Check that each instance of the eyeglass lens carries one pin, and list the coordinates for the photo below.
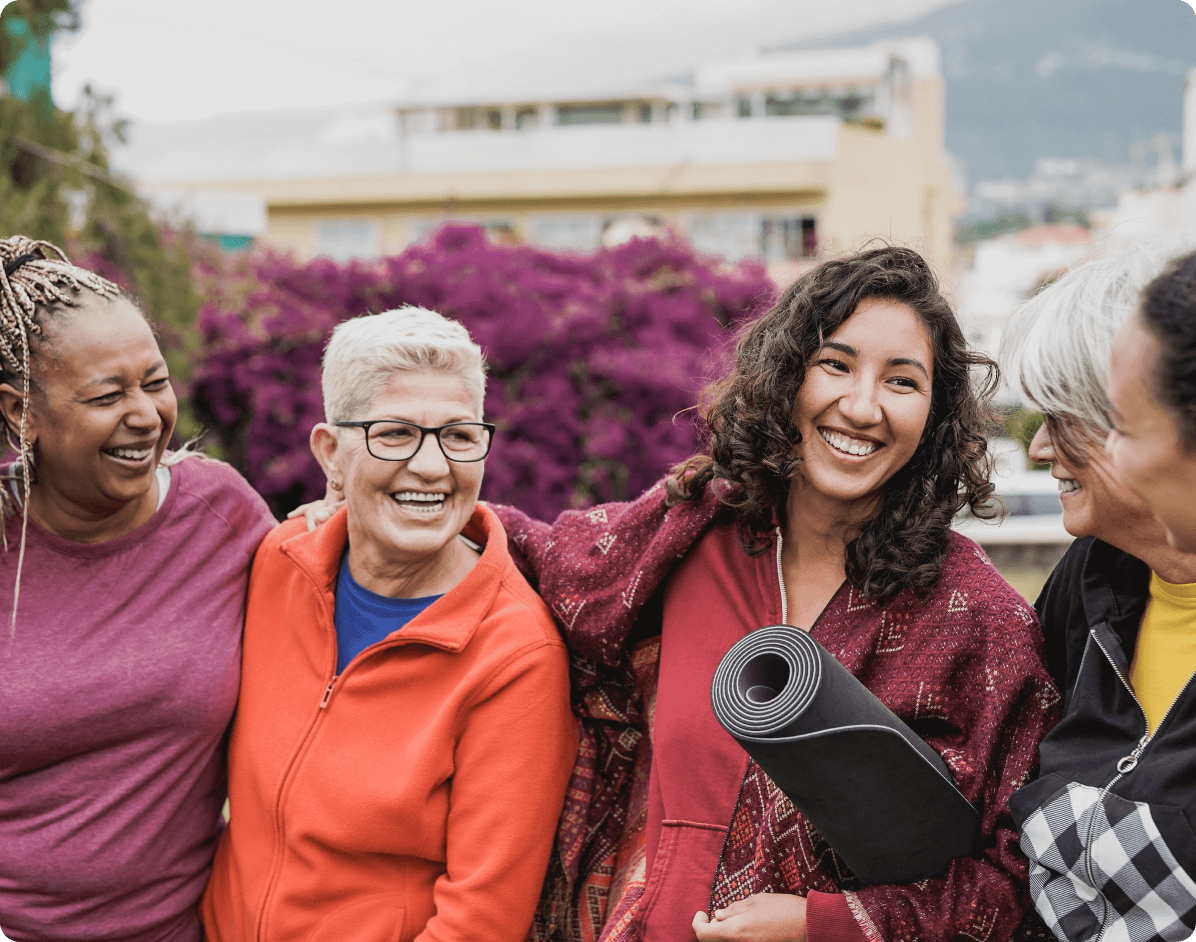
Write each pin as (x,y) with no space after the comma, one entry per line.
(398,441)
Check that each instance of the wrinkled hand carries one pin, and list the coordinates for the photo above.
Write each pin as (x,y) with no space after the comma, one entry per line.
(765,917)
(318,511)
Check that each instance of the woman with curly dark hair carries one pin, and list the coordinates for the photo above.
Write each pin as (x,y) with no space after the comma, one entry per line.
(842,444)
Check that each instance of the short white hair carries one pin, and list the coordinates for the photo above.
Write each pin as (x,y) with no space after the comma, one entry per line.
(364,352)
(1056,346)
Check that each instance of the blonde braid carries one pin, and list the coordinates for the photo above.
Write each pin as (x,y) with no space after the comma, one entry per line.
(30,277)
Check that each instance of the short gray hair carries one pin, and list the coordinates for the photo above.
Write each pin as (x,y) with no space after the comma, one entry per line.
(364,352)
(1056,346)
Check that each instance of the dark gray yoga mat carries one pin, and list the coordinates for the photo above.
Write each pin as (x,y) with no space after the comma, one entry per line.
(882,798)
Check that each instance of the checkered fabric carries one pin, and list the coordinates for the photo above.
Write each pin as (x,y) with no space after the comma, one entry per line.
(1099,868)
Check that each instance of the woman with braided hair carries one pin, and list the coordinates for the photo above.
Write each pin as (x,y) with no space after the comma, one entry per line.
(124,568)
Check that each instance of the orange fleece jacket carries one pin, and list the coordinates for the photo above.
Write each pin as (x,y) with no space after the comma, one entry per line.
(416,795)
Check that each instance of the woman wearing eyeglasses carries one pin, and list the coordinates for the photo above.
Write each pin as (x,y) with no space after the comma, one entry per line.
(403,737)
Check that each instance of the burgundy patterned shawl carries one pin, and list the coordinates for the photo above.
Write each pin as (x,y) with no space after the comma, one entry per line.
(962,666)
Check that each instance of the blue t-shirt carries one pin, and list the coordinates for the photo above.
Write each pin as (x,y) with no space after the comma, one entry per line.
(364,617)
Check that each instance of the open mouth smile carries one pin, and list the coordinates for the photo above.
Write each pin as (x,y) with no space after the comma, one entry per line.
(132,455)
(857,447)
(1067,485)
(420,501)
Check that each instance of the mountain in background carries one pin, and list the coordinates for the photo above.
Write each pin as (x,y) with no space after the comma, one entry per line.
(1053,78)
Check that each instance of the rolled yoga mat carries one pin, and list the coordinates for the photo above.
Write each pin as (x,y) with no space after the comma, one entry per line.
(882,798)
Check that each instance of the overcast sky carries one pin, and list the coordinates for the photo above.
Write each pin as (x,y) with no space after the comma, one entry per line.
(171,60)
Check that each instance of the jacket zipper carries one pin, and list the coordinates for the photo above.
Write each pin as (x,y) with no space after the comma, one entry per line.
(276,869)
(278,830)
(781,579)
(1125,765)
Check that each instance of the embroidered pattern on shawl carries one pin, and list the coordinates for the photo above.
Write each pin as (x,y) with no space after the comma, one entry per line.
(972,663)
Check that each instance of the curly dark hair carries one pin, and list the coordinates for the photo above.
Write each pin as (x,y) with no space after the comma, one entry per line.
(1168,311)
(753,437)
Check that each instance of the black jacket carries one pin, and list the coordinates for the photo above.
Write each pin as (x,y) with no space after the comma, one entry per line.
(1109,823)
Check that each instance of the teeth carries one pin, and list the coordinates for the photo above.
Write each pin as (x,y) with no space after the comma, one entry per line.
(130,453)
(849,446)
(1068,484)
(410,500)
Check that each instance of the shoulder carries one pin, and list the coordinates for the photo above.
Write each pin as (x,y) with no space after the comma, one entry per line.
(214,488)
(279,534)
(520,613)
(970,589)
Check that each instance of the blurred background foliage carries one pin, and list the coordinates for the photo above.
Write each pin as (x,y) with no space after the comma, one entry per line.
(595,361)
(55,184)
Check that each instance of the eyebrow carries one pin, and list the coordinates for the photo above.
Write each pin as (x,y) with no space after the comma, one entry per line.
(895,361)
(117,379)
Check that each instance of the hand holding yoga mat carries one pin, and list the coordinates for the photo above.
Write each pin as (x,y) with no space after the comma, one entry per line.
(882,798)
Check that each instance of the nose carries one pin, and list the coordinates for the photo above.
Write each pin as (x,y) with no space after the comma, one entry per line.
(143,411)
(429,461)
(1042,449)
(861,404)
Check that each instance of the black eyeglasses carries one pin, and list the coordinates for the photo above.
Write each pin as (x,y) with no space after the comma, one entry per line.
(398,441)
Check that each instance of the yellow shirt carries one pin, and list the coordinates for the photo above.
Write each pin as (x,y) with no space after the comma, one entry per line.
(1165,656)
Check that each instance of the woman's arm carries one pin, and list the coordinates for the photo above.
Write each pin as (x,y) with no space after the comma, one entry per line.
(511,765)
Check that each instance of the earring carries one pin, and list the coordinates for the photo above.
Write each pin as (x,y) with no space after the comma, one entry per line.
(335,484)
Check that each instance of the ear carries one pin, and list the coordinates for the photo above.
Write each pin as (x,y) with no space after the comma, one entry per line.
(11,399)
(325,445)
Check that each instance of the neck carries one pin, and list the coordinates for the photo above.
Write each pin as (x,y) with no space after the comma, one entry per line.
(823,525)
(1143,536)
(59,514)
(374,569)
(1169,563)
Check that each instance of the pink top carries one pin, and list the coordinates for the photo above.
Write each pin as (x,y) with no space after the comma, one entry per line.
(117,689)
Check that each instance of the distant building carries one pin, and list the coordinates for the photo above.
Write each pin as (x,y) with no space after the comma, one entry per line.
(778,156)
(1169,207)
(1006,271)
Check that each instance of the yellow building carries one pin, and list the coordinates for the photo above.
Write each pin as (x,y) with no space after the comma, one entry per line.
(780,156)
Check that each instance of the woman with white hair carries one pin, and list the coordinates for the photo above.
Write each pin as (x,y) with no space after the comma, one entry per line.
(1106,823)
(403,737)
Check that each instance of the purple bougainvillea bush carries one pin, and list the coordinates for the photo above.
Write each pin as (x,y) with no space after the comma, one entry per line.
(595,360)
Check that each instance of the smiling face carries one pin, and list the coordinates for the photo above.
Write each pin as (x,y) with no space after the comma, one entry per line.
(1148,453)
(102,411)
(1095,502)
(406,512)
(863,406)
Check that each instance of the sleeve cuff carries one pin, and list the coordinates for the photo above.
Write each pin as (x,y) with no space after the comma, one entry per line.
(829,919)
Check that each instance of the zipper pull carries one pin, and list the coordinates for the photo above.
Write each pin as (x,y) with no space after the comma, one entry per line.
(328,692)
(1130,762)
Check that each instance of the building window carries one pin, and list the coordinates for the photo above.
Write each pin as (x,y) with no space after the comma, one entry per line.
(527,117)
(348,238)
(579,233)
(601,112)
(734,236)
(783,238)
(850,104)
(645,113)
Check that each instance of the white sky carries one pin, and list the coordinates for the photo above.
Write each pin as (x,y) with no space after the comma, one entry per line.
(176,60)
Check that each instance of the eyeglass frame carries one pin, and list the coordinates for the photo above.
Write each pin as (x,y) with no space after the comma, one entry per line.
(364,425)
